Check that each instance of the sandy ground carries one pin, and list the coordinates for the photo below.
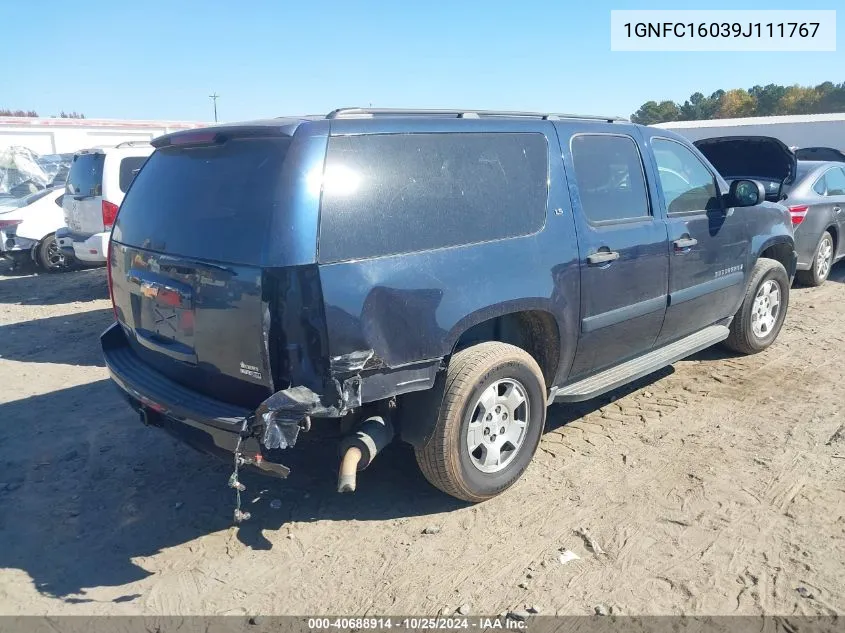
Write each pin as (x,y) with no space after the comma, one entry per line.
(714,487)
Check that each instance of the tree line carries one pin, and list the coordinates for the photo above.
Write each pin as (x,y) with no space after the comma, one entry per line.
(33,113)
(757,101)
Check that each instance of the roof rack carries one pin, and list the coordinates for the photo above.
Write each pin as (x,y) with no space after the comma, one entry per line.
(351,113)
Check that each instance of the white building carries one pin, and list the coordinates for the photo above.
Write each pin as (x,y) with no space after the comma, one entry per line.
(59,136)
(802,130)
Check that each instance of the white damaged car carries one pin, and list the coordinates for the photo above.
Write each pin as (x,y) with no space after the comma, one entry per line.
(28,227)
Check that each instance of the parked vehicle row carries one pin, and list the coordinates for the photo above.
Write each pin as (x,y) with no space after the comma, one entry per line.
(439,277)
(59,209)
(816,201)
(28,225)
(810,181)
(31,188)
(96,184)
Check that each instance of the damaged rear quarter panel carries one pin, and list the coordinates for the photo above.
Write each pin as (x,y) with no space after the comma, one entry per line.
(405,313)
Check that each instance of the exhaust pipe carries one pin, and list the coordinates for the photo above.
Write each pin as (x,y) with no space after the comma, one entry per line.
(348,476)
(360,449)
(149,417)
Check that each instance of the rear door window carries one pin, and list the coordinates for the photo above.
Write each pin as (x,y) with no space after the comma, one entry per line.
(834,181)
(86,175)
(211,202)
(609,173)
(386,194)
(129,168)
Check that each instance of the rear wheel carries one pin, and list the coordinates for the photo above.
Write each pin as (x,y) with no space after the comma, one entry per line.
(489,424)
(822,261)
(50,256)
(760,317)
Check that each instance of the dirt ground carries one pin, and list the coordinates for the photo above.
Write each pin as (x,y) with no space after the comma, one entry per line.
(713,487)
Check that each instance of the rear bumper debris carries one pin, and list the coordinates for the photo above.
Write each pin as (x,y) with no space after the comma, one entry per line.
(211,426)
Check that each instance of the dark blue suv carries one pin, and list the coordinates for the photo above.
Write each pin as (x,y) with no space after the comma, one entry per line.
(436,276)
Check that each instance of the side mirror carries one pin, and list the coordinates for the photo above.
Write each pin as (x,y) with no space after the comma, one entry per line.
(746,193)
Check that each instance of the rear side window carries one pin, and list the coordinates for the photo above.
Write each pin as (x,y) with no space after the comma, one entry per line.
(86,175)
(609,173)
(129,168)
(385,194)
(687,185)
(213,202)
(834,182)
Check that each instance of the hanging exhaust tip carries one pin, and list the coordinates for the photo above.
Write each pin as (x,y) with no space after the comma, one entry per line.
(360,449)
(348,475)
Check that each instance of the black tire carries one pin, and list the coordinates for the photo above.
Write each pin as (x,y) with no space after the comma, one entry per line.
(47,257)
(812,277)
(742,338)
(445,459)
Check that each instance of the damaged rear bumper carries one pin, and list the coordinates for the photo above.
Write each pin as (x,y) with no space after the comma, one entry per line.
(209,425)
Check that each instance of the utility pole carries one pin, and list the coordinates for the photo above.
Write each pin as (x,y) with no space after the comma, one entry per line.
(214,98)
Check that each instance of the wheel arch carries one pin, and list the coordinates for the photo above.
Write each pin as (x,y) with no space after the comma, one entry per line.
(540,331)
(833,229)
(780,249)
(533,329)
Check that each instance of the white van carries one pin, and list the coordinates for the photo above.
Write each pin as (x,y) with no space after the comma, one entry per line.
(96,184)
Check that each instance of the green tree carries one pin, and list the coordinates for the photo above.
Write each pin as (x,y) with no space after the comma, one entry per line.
(798,100)
(693,108)
(712,104)
(652,112)
(735,104)
(767,98)
(831,97)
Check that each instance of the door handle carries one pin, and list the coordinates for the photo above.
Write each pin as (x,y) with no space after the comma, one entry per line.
(602,257)
(684,243)
(837,209)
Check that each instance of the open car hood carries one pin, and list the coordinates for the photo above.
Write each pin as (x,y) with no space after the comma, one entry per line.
(756,157)
(820,153)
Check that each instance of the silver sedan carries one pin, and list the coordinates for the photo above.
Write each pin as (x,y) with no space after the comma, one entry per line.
(816,202)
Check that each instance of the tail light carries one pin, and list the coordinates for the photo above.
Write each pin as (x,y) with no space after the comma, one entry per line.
(798,213)
(111,284)
(109,214)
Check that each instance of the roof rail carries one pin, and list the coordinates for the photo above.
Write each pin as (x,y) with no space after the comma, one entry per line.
(342,113)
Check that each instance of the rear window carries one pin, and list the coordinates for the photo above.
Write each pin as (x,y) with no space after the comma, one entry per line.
(386,194)
(803,170)
(86,175)
(129,168)
(212,202)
